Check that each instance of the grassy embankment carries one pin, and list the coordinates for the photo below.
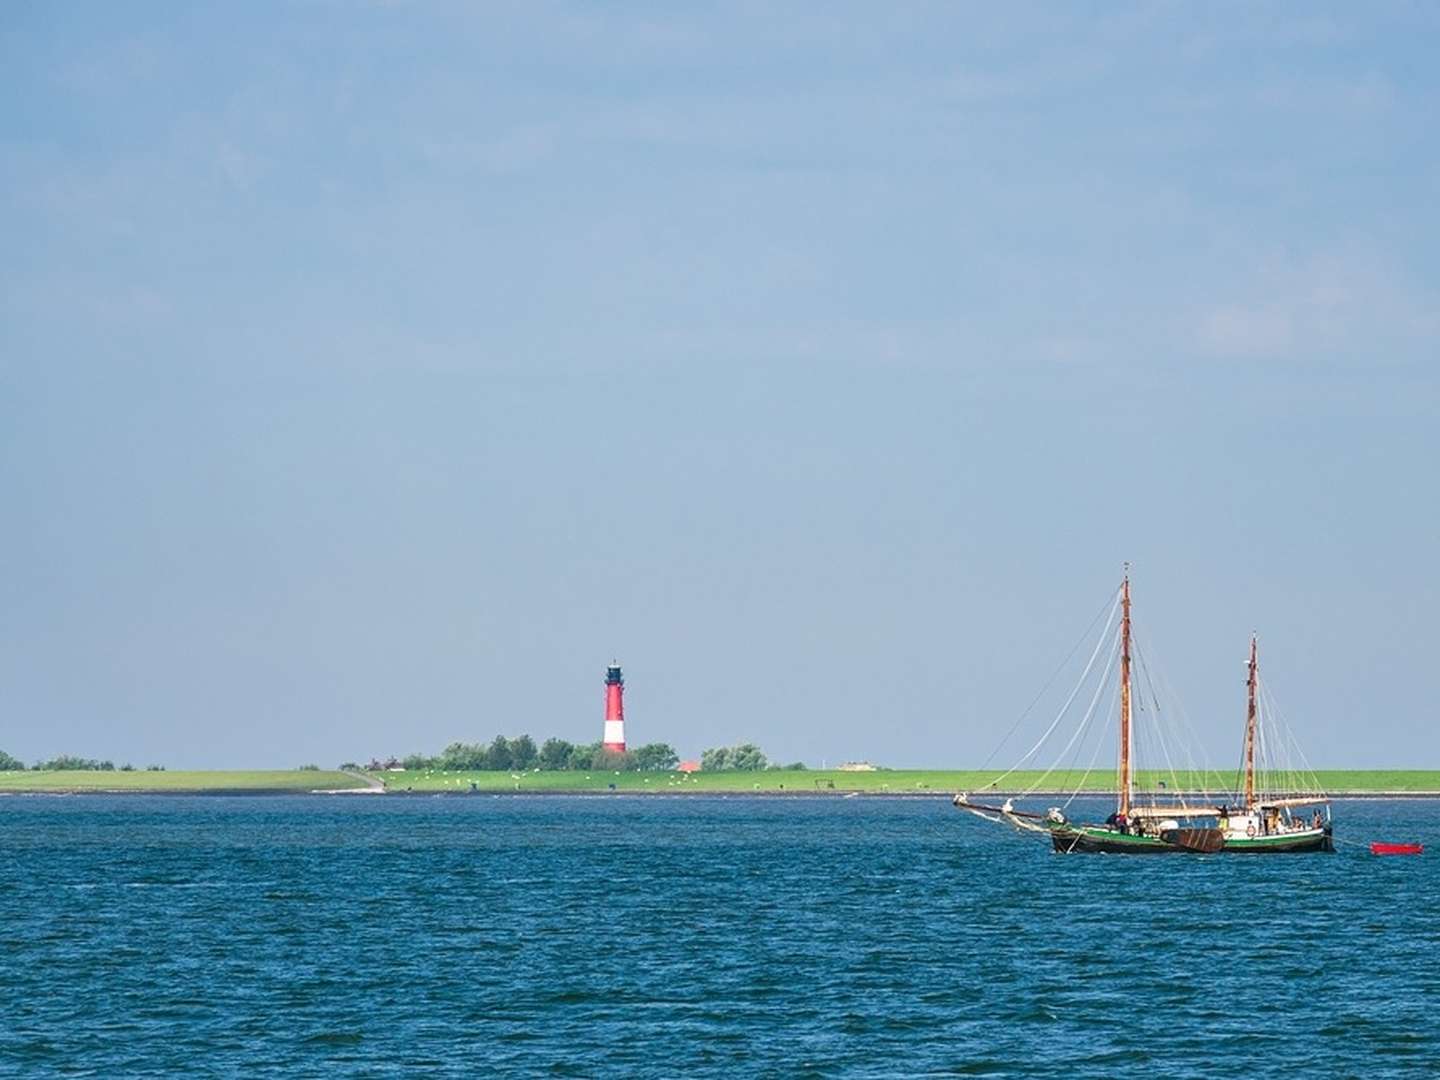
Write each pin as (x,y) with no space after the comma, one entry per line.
(883,782)
(887,781)
(179,782)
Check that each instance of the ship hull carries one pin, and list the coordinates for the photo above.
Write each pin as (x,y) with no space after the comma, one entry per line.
(1092,840)
(1311,840)
(1089,840)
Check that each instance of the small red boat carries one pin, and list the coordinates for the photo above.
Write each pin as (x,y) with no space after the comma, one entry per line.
(1378,848)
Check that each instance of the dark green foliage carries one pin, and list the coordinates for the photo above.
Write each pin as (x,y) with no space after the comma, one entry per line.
(348,766)
(610,761)
(70,762)
(654,757)
(555,754)
(309,768)
(499,757)
(154,768)
(523,753)
(747,757)
(582,758)
(458,756)
(10,764)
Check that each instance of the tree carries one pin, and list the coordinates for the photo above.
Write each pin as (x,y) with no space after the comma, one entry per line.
(523,752)
(747,757)
(71,762)
(415,762)
(458,756)
(555,754)
(499,757)
(582,758)
(654,757)
(10,764)
(611,760)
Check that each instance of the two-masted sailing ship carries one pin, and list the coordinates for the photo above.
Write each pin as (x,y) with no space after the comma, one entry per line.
(1277,808)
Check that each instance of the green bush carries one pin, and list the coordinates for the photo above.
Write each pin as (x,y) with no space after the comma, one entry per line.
(523,753)
(582,758)
(555,754)
(69,762)
(747,757)
(654,757)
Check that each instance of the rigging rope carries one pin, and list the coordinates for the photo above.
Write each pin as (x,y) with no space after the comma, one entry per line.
(1084,637)
(1190,742)
(1306,772)
(1104,730)
(1085,720)
(1144,666)
(1089,664)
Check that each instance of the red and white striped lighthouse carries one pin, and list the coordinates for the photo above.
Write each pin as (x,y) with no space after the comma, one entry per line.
(614,709)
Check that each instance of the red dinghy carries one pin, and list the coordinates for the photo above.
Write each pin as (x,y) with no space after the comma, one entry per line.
(1378,848)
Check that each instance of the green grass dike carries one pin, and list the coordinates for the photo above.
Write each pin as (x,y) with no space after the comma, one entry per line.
(879,782)
(770,782)
(179,782)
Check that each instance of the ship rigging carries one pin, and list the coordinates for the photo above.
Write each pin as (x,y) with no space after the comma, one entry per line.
(1276,804)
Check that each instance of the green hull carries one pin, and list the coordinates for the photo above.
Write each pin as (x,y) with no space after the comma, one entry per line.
(1099,840)
(1312,840)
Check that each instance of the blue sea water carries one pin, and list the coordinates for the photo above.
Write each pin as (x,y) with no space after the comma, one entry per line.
(651,936)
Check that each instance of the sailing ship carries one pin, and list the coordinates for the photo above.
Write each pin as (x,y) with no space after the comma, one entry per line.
(1288,815)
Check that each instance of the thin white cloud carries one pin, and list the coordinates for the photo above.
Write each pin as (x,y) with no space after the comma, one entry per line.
(1320,306)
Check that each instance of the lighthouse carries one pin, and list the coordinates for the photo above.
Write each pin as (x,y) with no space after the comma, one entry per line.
(614,709)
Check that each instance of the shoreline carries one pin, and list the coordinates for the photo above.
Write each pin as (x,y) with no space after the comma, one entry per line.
(1030,788)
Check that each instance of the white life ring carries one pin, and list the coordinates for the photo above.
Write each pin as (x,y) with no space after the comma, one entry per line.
(1250,831)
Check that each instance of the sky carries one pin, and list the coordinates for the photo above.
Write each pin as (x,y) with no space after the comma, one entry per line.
(371,375)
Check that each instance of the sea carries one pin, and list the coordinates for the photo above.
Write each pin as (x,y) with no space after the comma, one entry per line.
(641,936)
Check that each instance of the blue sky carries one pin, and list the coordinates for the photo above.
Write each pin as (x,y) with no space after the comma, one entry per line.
(370,375)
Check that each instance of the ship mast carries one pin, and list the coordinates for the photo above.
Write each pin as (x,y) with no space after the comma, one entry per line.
(1125,737)
(1250,728)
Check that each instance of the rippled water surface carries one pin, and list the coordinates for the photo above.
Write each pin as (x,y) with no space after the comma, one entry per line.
(654,936)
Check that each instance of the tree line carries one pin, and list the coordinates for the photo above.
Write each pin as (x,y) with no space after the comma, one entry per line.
(70,762)
(500,755)
(521,754)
